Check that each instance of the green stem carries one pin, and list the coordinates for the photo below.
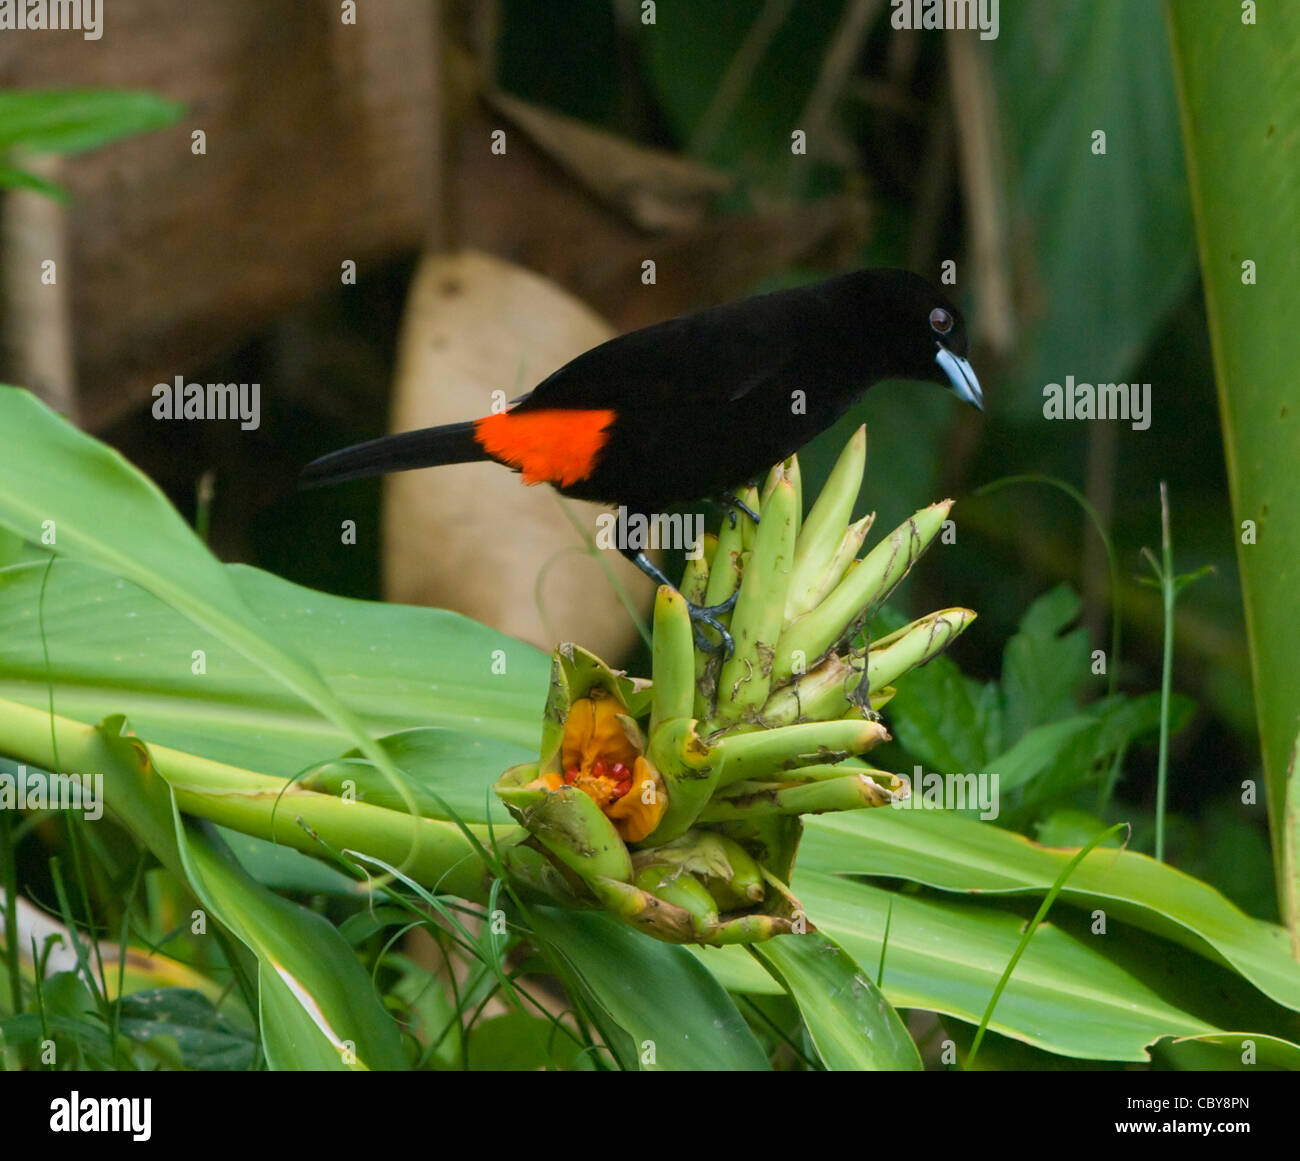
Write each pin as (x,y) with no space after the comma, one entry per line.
(431,851)
(9,866)
(1167,667)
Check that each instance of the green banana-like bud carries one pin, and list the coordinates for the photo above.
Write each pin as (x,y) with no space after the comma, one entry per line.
(841,561)
(913,645)
(712,857)
(695,578)
(724,569)
(759,614)
(748,529)
(690,771)
(787,470)
(860,592)
(823,532)
(848,792)
(568,823)
(820,695)
(673,660)
(679,887)
(655,916)
(759,752)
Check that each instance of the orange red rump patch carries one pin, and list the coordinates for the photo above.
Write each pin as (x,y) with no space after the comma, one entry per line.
(549,446)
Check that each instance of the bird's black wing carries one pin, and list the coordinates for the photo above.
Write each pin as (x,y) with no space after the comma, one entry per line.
(715,357)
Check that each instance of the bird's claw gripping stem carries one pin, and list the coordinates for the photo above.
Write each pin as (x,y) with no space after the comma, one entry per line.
(708,615)
(700,614)
(735,504)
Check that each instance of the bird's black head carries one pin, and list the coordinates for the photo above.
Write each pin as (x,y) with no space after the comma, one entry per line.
(909,330)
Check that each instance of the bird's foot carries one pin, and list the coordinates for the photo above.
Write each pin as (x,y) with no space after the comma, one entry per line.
(735,504)
(707,615)
(860,694)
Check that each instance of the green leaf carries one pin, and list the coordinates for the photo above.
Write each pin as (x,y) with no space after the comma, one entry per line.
(851,1023)
(517,1042)
(319,1008)
(74,120)
(451,774)
(736,970)
(62,488)
(204,1037)
(1066,70)
(1241,115)
(13,178)
(1041,670)
(957,854)
(1072,993)
(1228,1052)
(1036,752)
(946,720)
(677,1016)
(282,868)
(115,648)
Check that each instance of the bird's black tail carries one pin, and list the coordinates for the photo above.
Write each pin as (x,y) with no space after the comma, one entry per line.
(451,444)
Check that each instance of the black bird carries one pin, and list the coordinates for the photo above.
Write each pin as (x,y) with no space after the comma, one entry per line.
(697,406)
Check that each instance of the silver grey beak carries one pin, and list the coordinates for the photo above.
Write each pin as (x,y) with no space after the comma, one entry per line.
(961,376)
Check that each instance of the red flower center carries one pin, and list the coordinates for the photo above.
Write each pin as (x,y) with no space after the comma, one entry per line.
(612,779)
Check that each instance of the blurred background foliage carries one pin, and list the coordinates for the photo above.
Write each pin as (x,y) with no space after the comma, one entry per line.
(921,148)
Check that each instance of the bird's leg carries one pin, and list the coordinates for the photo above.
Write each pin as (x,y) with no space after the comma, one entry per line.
(860,694)
(700,614)
(736,504)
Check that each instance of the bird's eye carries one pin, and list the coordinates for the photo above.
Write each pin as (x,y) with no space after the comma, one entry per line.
(940,321)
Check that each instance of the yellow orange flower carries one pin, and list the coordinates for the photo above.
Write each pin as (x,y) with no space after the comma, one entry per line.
(598,756)
(636,814)
(593,732)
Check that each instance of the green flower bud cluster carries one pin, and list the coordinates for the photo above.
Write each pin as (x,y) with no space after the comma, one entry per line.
(728,754)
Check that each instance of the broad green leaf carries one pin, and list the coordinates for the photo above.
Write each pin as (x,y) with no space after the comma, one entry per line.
(850,1022)
(1228,1052)
(675,1013)
(451,774)
(1072,993)
(115,648)
(204,1038)
(1241,116)
(319,1008)
(61,488)
(957,854)
(1107,237)
(518,1042)
(736,970)
(1036,752)
(73,120)
(282,868)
